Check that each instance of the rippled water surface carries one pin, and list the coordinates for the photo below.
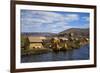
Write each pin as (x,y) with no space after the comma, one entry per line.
(76,54)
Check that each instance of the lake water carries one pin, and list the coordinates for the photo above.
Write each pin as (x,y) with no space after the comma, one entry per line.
(76,54)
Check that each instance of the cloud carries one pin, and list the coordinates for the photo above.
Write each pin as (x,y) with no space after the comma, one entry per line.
(41,16)
(46,17)
(41,21)
(72,17)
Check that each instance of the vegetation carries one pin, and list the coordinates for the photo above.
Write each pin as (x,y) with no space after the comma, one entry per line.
(34,51)
(24,42)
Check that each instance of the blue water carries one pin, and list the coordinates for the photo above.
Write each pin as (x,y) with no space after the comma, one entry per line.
(76,54)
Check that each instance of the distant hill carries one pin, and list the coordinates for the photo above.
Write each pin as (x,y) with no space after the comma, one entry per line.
(46,34)
(84,32)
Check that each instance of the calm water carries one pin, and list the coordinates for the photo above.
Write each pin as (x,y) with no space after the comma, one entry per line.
(76,54)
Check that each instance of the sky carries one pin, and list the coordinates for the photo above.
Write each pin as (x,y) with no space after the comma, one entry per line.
(52,21)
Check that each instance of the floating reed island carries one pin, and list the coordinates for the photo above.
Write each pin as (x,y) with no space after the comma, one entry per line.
(40,44)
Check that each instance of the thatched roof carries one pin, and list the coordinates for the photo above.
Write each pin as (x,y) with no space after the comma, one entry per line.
(35,39)
(63,38)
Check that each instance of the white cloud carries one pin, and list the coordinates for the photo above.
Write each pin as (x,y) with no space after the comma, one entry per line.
(32,17)
(72,17)
(46,21)
(43,17)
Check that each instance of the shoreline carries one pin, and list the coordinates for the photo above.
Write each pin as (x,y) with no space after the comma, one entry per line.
(42,51)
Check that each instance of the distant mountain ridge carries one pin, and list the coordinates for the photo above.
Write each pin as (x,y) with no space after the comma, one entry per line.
(76,31)
(84,32)
(38,34)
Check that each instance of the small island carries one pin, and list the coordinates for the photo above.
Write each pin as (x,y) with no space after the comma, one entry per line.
(37,43)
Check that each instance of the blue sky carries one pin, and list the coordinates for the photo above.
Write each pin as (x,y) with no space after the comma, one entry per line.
(52,21)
